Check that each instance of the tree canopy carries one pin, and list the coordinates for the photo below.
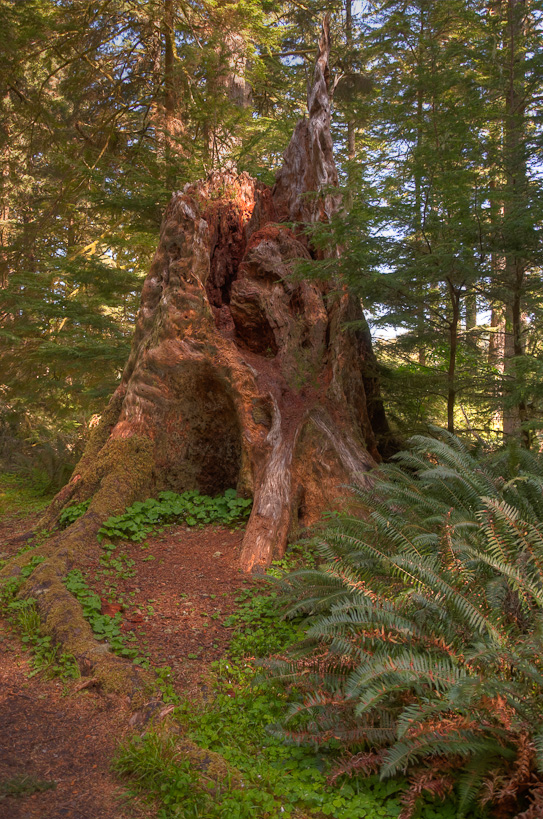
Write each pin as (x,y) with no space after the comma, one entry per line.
(108,106)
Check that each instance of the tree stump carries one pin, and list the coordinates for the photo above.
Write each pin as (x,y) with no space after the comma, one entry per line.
(240,375)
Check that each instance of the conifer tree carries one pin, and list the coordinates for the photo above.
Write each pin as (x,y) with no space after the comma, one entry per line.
(429,226)
(105,107)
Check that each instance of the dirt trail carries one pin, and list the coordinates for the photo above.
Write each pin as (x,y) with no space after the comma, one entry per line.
(175,597)
(52,734)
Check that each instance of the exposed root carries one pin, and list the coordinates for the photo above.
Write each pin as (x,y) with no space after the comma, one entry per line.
(62,619)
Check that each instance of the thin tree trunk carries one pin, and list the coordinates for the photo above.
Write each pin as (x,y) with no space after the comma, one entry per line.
(471,320)
(514,201)
(230,83)
(4,205)
(172,123)
(453,348)
(169,58)
(421,317)
(511,420)
(496,340)
(351,132)
(421,326)
(4,240)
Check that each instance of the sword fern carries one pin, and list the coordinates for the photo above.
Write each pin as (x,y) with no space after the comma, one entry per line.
(424,646)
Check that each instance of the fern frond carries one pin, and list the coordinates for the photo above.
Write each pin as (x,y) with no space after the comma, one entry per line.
(424,631)
(461,743)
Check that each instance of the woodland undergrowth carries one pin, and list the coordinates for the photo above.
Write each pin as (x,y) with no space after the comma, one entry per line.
(423,631)
(135,524)
(405,673)
(248,771)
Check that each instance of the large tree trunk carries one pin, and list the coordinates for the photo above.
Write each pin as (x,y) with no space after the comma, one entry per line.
(239,375)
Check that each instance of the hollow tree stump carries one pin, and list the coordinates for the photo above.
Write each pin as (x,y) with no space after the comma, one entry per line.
(240,375)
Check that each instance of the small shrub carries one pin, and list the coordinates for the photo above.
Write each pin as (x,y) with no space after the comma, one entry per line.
(164,684)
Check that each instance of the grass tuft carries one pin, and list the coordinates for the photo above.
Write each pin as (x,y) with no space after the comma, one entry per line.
(24,785)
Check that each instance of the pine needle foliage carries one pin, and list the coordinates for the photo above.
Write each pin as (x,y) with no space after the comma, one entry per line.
(424,645)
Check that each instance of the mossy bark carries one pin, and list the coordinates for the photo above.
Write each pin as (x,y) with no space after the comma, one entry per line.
(240,375)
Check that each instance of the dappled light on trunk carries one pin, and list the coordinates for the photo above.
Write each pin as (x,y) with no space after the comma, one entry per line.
(241,375)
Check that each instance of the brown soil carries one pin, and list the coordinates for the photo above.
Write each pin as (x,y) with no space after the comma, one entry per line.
(50,732)
(185,585)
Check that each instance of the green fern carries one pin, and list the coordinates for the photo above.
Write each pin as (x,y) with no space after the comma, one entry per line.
(425,625)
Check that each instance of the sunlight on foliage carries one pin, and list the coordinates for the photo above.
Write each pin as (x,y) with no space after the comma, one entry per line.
(190,508)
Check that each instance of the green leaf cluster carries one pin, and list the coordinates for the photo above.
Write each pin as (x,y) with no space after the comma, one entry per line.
(190,508)
(259,628)
(235,725)
(104,627)
(248,771)
(71,513)
(264,777)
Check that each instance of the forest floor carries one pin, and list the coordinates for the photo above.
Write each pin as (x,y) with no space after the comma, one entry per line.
(57,738)
(200,745)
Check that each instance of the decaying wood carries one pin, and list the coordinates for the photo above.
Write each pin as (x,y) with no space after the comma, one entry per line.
(240,375)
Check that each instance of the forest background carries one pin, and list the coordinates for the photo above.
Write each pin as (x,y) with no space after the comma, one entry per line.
(107,107)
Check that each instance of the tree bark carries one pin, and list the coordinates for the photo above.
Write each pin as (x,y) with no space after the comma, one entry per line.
(471,320)
(351,133)
(453,348)
(515,190)
(4,205)
(228,83)
(167,114)
(240,375)
(496,339)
